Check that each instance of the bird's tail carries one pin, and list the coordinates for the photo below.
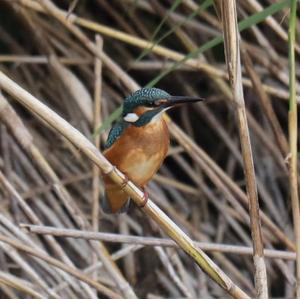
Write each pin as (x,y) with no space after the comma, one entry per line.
(115,200)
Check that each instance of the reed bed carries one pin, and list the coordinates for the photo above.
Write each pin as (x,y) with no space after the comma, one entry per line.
(227,194)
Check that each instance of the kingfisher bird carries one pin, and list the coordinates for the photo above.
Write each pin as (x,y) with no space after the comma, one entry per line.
(138,144)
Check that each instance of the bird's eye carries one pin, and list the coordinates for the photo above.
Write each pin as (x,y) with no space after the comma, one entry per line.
(149,104)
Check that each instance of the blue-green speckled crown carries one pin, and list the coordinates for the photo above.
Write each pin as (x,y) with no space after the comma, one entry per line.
(143,97)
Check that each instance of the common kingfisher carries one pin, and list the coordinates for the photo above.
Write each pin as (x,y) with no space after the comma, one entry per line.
(138,143)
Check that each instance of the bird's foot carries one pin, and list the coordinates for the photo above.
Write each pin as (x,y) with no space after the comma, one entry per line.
(125,178)
(145,199)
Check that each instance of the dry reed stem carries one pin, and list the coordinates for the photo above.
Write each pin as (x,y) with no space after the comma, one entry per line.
(137,195)
(97,123)
(150,241)
(293,138)
(40,59)
(232,54)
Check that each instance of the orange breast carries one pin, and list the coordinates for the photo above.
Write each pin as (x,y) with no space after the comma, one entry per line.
(138,153)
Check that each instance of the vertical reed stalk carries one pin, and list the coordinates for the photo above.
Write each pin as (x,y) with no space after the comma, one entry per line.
(227,10)
(97,122)
(293,135)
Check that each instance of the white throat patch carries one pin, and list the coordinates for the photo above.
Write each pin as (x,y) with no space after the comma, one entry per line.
(131,117)
(159,115)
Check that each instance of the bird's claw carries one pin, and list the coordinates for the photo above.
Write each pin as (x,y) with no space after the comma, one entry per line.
(125,181)
(125,178)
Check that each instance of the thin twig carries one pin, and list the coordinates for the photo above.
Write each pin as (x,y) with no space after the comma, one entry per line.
(150,241)
(42,59)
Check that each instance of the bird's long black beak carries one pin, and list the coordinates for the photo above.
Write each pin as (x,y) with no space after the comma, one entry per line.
(176,100)
(173,101)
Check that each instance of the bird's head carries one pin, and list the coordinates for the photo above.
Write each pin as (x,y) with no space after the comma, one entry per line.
(148,104)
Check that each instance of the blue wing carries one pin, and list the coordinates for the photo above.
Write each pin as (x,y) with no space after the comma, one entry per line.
(114,133)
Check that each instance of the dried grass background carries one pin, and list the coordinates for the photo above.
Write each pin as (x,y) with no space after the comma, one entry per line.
(84,76)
